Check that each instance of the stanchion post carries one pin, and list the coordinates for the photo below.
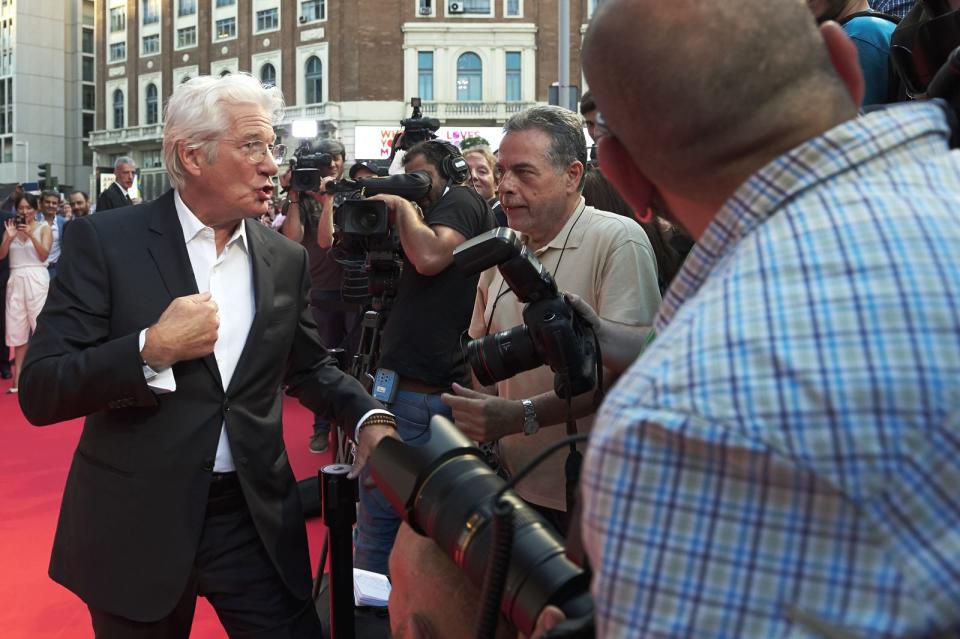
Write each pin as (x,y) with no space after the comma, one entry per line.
(339,496)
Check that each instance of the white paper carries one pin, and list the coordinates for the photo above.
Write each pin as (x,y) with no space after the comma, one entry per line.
(370,588)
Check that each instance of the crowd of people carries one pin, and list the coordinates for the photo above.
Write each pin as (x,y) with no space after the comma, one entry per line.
(767,266)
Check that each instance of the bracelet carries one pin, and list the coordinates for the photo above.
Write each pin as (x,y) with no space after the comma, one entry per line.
(379,419)
(418,209)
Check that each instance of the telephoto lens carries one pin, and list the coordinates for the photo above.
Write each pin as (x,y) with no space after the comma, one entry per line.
(443,489)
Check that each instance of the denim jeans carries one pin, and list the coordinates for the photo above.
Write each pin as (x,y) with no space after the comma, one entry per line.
(377,521)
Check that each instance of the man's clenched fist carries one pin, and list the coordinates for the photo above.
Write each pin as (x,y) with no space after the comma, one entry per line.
(186,330)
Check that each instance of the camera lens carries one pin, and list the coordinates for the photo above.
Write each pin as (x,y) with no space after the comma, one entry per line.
(445,490)
(368,220)
(502,355)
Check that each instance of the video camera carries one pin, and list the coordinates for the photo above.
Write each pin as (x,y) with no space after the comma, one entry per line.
(306,164)
(416,129)
(444,489)
(552,332)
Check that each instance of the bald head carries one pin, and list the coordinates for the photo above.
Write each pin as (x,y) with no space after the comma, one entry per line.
(688,85)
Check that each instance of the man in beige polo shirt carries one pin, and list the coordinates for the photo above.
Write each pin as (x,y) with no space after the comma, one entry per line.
(604,258)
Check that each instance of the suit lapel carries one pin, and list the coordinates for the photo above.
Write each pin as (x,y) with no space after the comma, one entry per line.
(261,257)
(169,252)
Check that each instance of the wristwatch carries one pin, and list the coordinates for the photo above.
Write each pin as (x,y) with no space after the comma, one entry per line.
(530,423)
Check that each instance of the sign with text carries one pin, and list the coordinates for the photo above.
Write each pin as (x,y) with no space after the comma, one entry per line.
(374,142)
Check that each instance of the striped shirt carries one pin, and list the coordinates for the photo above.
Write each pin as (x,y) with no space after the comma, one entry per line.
(784,459)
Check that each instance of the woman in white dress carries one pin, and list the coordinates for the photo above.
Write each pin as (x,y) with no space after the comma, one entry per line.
(27,242)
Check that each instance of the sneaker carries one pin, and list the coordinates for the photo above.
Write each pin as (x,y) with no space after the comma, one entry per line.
(13,391)
(319,443)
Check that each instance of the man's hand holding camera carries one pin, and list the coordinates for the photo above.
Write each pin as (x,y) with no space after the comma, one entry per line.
(483,417)
(429,248)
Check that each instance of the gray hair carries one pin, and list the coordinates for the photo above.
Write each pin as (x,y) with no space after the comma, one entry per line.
(123,159)
(194,114)
(565,129)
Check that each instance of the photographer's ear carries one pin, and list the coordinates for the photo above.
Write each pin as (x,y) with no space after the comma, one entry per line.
(617,165)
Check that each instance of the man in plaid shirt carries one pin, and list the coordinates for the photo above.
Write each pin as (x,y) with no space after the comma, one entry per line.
(784,458)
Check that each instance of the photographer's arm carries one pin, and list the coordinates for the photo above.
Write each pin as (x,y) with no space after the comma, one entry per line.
(429,248)
(325,226)
(292,227)
(620,344)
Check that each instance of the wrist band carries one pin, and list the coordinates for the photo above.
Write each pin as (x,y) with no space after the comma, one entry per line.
(375,420)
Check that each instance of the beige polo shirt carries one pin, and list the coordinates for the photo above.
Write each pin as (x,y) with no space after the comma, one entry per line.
(608,261)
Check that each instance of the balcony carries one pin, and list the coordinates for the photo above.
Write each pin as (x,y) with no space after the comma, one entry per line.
(151,133)
(494,111)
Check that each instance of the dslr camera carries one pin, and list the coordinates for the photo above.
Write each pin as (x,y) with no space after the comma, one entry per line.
(552,332)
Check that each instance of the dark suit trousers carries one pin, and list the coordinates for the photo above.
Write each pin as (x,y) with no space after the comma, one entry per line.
(233,571)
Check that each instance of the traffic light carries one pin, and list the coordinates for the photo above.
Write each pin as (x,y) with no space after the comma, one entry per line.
(42,174)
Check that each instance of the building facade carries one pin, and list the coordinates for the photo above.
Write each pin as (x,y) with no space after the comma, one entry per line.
(351,65)
(47,89)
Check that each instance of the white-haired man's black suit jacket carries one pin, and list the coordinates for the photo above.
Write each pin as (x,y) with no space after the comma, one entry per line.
(135,497)
(112,198)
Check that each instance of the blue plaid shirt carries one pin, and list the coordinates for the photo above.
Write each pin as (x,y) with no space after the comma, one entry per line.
(784,459)
(897,8)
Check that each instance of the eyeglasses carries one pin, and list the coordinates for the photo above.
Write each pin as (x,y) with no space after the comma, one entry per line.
(257,150)
(600,128)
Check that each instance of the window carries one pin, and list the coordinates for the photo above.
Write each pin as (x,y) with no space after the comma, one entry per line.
(226,28)
(118,51)
(424,7)
(469,77)
(186,37)
(87,70)
(512,9)
(477,6)
(514,84)
(118,19)
(151,11)
(152,109)
(268,19)
(89,97)
(118,109)
(186,7)
(87,41)
(226,3)
(313,10)
(314,80)
(592,6)
(151,44)
(268,75)
(425,75)
(151,159)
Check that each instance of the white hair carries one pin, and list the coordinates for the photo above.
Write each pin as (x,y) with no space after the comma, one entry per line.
(123,159)
(195,114)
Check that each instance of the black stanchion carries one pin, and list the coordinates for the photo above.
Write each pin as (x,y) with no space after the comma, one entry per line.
(339,496)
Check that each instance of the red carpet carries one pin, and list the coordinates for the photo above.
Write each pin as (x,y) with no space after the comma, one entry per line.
(33,468)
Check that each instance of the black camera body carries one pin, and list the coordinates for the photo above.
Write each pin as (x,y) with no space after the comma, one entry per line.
(552,332)
(307,165)
(19,219)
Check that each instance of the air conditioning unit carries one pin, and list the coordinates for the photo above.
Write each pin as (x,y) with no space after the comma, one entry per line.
(303,19)
(455,7)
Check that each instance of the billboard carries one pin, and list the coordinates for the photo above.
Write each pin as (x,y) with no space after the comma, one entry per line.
(374,142)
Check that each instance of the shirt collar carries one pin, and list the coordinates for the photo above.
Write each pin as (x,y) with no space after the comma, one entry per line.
(840,149)
(570,235)
(122,190)
(192,226)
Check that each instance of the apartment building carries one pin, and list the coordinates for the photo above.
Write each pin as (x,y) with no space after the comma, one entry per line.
(47,89)
(350,65)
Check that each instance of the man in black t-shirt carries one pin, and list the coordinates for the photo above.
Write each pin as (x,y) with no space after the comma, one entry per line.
(432,309)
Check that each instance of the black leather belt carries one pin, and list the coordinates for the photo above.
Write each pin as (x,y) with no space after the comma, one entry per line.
(225,494)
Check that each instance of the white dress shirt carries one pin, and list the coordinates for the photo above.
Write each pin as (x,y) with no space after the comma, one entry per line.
(229,279)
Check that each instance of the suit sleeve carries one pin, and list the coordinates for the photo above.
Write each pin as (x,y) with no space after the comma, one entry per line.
(74,366)
(312,375)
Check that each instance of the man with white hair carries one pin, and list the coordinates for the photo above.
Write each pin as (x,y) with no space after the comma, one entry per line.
(180,485)
(117,195)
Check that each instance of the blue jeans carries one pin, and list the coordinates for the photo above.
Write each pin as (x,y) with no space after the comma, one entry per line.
(377,521)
